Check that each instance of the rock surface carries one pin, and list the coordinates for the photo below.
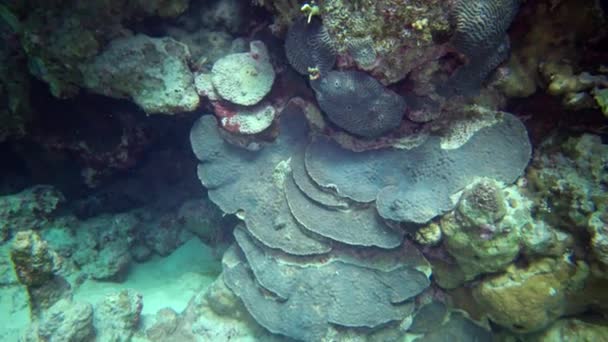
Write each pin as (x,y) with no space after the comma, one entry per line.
(153,72)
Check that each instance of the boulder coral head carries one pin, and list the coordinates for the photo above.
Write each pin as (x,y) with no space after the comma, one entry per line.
(358,103)
(481,24)
(480,34)
(244,78)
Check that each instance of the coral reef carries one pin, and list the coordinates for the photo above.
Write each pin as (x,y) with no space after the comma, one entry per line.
(331,284)
(568,180)
(480,34)
(358,103)
(573,330)
(530,299)
(30,209)
(547,54)
(64,321)
(246,120)
(59,39)
(205,46)
(237,86)
(287,232)
(481,25)
(492,225)
(418,185)
(106,253)
(113,319)
(582,91)
(366,228)
(296,224)
(399,36)
(215,315)
(34,262)
(366,170)
(117,315)
(253,188)
(153,72)
(244,78)
(433,322)
(309,49)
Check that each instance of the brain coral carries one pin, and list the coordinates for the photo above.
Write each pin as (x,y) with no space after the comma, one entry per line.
(468,79)
(480,34)
(481,24)
(415,185)
(358,103)
(308,45)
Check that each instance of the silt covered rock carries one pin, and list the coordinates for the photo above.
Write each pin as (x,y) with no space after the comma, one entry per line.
(153,72)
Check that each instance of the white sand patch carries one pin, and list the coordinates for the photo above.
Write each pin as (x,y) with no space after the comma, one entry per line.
(163,282)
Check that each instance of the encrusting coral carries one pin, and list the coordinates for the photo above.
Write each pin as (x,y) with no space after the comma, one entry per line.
(568,180)
(383,30)
(297,225)
(418,185)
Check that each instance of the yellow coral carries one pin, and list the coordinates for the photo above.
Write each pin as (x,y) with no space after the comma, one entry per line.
(311,9)
(420,24)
